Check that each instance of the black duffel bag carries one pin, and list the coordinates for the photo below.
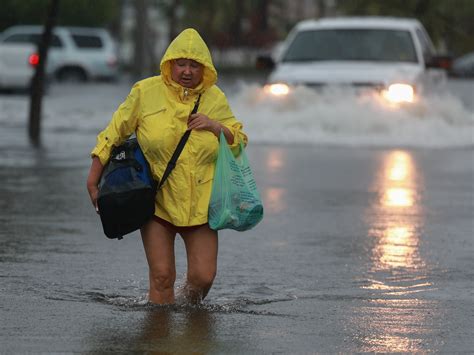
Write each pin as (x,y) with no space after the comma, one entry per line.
(127,191)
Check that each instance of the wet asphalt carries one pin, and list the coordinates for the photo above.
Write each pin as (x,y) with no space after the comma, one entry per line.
(360,250)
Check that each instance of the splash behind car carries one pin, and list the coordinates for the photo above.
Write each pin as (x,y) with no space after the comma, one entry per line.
(392,56)
(463,66)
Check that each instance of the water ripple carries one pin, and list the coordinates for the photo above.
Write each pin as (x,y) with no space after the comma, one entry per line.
(139,303)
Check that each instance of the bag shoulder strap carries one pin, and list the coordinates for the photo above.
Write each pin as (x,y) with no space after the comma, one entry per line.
(179,149)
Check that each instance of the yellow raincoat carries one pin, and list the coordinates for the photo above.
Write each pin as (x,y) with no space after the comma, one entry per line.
(157,110)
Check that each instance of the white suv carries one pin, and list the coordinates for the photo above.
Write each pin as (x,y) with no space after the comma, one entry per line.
(76,53)
(394,56)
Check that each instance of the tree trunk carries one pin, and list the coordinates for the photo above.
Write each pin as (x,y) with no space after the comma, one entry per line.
(321,8)
(37,86)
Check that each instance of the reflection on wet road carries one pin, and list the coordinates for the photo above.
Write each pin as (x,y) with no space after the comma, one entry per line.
(275,194)
(398,215)
(395,320)
(165,330)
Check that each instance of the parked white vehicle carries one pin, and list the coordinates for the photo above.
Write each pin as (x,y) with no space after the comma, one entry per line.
(17,65)
(76,53)
(394,56)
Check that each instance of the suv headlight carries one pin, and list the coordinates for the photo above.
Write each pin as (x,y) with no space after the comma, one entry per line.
(277,89)
(398,93)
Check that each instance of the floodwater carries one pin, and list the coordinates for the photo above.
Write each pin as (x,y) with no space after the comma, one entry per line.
(366,245)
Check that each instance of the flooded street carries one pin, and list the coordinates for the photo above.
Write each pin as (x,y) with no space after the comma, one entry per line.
(364,247)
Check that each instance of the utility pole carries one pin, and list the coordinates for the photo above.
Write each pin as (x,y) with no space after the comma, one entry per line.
(37,86)
(140,34)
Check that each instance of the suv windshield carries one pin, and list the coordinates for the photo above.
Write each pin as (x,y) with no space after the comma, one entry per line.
(352,44)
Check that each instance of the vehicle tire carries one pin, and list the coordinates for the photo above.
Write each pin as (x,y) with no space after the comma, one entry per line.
(71,75)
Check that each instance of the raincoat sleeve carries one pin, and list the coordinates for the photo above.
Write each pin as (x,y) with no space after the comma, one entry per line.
(222,113)
(123,123)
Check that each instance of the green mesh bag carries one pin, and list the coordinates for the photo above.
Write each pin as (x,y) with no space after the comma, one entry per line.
(235,201)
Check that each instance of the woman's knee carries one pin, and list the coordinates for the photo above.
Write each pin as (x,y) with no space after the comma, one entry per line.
(162,279)
(202,279)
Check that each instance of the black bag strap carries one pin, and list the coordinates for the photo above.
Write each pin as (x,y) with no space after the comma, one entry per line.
(179,149)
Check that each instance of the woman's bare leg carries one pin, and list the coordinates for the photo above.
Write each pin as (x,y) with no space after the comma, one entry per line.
(158,242)
(201,249)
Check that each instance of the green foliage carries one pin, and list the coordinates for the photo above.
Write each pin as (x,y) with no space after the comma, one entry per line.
(203,15)
(88,12)
(18,12)
(448,21)
(71,12)
(229,22)
(240,22)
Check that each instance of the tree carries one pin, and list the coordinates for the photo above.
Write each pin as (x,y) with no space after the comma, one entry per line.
(449,23)
(72,12)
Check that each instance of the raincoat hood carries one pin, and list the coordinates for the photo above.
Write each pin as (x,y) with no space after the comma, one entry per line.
(190,45)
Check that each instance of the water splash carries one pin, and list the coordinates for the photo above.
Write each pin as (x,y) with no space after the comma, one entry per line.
(140,303)
(340,117)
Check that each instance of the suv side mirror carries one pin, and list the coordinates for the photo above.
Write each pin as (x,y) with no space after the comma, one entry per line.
(441,62)
(264,62)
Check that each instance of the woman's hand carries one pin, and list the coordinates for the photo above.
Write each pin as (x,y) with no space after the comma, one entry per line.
(93,181)
(93,194)
(200,121)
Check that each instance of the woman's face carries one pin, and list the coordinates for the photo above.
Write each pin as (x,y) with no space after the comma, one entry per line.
(186,72)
